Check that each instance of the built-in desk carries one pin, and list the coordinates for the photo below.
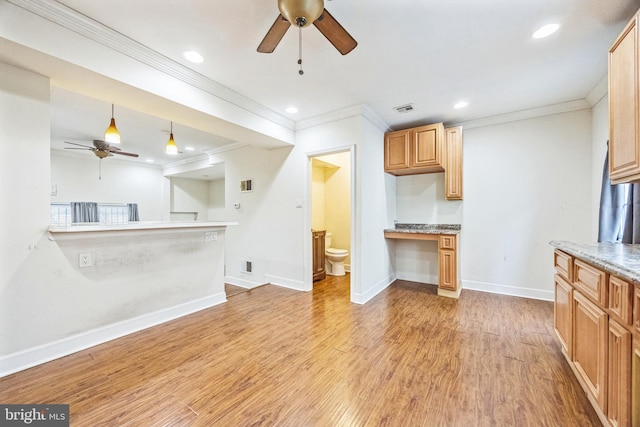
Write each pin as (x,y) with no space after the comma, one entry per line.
(447,236)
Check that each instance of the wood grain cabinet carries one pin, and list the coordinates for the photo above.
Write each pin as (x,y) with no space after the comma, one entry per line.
(414,151)
(319,272)
(590,347)
(426,149)
(563,314)
(619,375)
(448,262)
(597,320)
(453,163)
(624,139)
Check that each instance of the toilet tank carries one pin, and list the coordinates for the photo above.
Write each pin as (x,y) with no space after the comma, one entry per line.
(327,241)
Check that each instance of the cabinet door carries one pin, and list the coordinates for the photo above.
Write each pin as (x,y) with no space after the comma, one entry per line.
(624,153)
(448,273)
(635,385)
(396,150)
(426,150)
(318,255)
(619,374)
(563,310)
(590,327)
(453,163)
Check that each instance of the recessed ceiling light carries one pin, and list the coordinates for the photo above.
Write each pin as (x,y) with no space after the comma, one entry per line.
(189,148)
(291,110)
(545,30)
(461,104)
(149,160)
(193,56)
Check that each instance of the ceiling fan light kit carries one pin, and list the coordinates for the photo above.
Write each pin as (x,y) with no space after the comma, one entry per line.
(111,135)
(171,147)
(302,13)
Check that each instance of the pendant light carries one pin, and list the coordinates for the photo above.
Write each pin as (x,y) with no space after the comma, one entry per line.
(171,147)
(111,135)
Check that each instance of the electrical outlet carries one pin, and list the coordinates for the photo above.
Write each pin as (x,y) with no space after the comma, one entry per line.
(85,260)
(210,236)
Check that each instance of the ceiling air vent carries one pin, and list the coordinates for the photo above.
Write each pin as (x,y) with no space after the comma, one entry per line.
(407,108)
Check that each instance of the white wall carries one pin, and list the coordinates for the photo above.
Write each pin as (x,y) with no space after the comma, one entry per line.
(190,195)
(526,183)
(216,211)
(76,179)
(600,131)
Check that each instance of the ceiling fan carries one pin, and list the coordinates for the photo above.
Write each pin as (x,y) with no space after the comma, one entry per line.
(302,13)
(100,149)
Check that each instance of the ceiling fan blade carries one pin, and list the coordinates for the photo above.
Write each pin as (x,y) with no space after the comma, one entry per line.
(123,153)
(335,33)
(274,35)
(80,145)
(100,145)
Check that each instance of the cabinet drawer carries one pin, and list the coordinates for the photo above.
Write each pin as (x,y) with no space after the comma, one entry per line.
(447,242)
(563,264)
(620,300)
(591,281)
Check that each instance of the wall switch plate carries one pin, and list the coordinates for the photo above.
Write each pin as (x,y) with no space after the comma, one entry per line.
(210,236)
(85,260)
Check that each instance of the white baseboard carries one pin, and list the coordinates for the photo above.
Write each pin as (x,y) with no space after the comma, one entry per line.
(28,358)
(284,282)
(362,298)
(243,283)
(508,290)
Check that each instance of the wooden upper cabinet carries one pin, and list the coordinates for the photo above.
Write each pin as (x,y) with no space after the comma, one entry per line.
(414,151)
(396,151)
(453,163)
(624,142)
(427,149)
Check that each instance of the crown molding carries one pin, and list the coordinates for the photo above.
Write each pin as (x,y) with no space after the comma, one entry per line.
(83,25)
(344,113)
(564,107)
(599,91)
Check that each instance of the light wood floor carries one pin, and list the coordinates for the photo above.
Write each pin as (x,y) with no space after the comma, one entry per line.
(273,356)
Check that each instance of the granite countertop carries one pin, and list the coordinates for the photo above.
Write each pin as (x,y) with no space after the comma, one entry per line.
(618,259)
(425,229)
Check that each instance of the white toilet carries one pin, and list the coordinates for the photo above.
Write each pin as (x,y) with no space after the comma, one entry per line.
(334,258)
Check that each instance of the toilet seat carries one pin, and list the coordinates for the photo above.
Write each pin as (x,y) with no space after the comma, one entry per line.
(334,251)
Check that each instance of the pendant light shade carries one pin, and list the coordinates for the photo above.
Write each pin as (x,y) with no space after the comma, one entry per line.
(111,135)
(171,147)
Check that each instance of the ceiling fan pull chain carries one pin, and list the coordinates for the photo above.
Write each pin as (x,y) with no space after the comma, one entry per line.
(100,169)
(300,49)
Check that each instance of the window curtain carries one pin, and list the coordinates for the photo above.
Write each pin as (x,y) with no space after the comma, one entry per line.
(133,212)
(84,212)
(631,232)
(619,210)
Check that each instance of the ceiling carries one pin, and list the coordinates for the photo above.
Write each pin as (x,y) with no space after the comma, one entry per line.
(431,54)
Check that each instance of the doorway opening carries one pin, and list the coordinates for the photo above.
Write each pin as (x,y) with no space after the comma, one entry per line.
(330,216)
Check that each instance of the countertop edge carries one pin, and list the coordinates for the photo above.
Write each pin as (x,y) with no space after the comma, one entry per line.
(586,253)
(139,227)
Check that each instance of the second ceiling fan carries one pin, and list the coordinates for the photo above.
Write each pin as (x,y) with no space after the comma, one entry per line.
(302,13)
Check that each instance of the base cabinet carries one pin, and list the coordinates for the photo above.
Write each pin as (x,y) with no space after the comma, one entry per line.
(563,313)
(619,374)
(590,347)
(597,320)
(318,255)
